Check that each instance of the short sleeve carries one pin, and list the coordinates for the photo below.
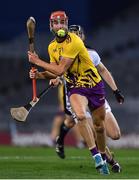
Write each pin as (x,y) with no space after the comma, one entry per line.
(94,57)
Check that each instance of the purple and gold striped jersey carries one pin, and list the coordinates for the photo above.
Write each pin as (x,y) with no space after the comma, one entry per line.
(82,72)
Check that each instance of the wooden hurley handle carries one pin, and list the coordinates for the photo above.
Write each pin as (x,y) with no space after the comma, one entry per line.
(31,30)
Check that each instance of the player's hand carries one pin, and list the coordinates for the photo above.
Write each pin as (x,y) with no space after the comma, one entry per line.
(119,96)
(55,82)
(33,73)
(33,57)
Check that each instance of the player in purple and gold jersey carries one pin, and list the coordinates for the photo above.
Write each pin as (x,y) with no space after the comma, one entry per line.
(70,58)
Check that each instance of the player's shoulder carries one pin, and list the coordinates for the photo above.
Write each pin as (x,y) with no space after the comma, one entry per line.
(73,37)
(52,42)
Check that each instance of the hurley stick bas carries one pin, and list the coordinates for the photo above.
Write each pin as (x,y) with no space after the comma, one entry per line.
(31,31)
(21,113)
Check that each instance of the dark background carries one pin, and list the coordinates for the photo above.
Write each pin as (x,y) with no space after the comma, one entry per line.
(88,13)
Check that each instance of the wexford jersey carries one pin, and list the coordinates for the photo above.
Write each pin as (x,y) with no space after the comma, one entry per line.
(82,72)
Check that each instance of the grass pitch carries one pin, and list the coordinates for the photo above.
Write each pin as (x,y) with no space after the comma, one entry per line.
(42,162)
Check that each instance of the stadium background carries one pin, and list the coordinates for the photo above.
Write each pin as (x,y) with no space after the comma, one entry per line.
(112,28)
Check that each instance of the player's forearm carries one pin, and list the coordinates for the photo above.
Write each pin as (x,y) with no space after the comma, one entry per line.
(55,69)
(109,79)
(45,75)
(106,75)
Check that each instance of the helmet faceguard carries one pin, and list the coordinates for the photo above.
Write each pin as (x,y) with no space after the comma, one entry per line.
(59,22)
(78,30)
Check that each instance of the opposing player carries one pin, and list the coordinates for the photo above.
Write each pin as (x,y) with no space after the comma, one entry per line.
(69,57)
(112,128)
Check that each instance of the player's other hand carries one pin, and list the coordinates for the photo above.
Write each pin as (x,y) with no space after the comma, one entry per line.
(119,96)
(33,73)
(33,57)
(55,82)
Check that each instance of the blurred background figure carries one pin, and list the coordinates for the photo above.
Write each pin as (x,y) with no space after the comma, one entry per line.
(111,30)
(59,117)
